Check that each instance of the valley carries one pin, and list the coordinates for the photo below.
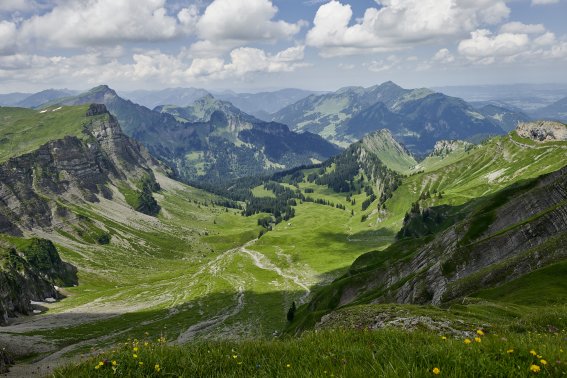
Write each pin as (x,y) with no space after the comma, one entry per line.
(350,241)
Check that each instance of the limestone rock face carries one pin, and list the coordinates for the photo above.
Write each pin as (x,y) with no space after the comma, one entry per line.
(73,169)
(35,191)
(524,231)
(543,131)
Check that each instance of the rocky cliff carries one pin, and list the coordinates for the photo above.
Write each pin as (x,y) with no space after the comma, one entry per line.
(503,237)
(38,191)
(35,187)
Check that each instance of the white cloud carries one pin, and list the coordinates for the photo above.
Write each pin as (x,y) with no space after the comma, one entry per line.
(399,24)
(544,2)
(444,56)
(8,35)
(88,22)
(545,39)
(14,5)
(518,27)
(243,20)
(483,44)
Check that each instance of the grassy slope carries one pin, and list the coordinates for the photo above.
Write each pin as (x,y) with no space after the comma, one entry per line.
(162,277)
(24,130)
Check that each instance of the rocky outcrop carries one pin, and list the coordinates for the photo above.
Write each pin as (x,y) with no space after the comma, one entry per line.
(5,361)
(30,274)
(70,169)
(543,131)
(445,147)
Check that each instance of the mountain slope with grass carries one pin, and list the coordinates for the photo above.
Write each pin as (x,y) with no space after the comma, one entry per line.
(508,331)
(210,140)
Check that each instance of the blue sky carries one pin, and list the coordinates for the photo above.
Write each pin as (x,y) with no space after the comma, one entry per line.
(269,44)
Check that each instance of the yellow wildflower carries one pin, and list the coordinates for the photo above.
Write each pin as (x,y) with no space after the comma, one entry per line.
(288,366)
(477,339)
(141,363)
(135,355)
(535,369)
(533,352)
(146,344)
(480,332)
(101,363)
(157,368)
(234,356)
(467,341)
(97,367)
(135,349)
(436,371)
(509,351)
(114,363)
(539,356)
(543,362)
(443,337)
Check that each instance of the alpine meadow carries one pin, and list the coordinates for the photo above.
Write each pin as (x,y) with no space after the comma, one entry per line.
(266,188)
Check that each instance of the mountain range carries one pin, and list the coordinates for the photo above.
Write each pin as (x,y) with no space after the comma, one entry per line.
(211,140)
(417,118)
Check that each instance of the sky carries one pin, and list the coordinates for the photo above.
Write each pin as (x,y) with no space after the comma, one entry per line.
(253,45)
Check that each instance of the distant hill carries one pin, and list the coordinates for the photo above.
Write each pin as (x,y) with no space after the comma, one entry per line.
(418,118)
(210,140)
(169,96)
(556,111)
(263,104)
(11,99)
(38,99)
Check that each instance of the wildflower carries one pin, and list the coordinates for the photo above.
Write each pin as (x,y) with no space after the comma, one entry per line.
(97,367)
(443,337)
(436,371)
(535,369)
(140,363)
(543,362)
(135,355)
(114,363)
(146,344)
(480,332)
(135,349)
(157,368)
(510,351)
(477,339)
(288,366)
(101,363)
(146,333)
(234,356)
(533,352)
(467,341)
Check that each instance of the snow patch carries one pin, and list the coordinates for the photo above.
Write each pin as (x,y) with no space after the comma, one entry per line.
(56,109)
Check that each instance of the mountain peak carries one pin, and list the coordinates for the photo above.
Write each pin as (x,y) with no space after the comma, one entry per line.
(102,89)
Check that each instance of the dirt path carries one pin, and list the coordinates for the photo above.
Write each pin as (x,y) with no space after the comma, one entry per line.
(262,262)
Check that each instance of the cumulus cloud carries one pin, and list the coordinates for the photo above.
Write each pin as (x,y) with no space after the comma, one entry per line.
(398,24)
(226,24)
(518,27)
(444,56)
(483,44)
(243,20)
(87,22)
(8,35)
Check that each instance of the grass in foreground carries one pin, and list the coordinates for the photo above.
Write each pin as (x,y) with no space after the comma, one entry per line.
(339,353)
